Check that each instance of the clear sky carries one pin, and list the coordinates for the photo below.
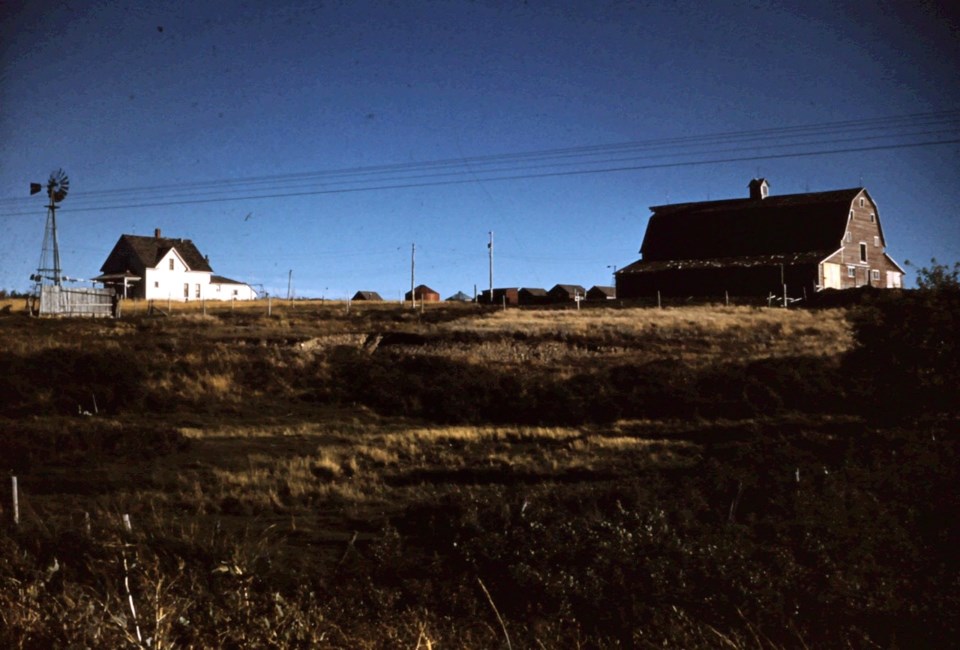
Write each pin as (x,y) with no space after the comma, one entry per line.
(234,116)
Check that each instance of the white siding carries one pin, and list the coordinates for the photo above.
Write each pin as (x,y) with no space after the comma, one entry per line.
(229,291)
(162,283)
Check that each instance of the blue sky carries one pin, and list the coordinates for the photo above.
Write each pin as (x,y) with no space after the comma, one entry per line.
(179,101)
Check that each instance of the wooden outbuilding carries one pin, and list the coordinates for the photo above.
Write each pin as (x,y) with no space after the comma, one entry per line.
(367,295)
(600,293)
(502,296)
(561,293)
(422,293)
(763,245)
(532,296)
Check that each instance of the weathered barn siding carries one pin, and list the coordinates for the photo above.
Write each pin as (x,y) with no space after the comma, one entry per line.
(864,235)
(63,301)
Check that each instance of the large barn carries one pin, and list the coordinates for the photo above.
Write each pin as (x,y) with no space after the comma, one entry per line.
(754,246)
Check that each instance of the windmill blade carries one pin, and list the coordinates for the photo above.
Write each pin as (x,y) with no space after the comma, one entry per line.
(58,185)
(34,188)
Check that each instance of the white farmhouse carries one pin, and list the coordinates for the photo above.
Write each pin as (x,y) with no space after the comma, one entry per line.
(162,268)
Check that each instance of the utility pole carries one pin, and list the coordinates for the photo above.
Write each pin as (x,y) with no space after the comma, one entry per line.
(413,264)
(490,249)
(290,285)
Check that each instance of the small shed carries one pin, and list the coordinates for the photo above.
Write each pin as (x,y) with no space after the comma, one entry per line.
(532,296)
(600,293)
(566,293)
(422,293)
(367,295)
(501,296)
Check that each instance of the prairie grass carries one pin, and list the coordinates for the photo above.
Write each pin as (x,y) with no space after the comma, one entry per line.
(288,495)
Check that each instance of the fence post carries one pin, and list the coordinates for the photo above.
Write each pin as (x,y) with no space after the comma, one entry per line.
(659,304)
(16,501)
(269,306)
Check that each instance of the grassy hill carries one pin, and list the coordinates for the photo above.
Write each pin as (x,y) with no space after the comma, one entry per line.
(337,475)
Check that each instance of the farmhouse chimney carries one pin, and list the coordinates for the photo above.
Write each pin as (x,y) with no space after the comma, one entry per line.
(759,189)
(156,233)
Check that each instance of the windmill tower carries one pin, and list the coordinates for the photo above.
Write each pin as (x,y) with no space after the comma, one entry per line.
(49,271)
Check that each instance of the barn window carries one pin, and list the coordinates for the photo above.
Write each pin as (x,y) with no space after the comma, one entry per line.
(863,251)
(873,217)
(876,240)
(875,275)
(171,263)
(851,271)
(848,236)
(861,201)
(851,215)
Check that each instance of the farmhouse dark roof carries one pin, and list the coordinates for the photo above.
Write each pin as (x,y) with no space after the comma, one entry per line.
(219,279)
(135,253)
(792,223)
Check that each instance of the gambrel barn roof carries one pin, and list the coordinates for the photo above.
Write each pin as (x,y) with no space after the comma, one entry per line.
(762,244)
(136,253)
(776,225)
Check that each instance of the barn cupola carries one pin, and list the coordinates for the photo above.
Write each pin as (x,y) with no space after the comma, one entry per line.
(759,189)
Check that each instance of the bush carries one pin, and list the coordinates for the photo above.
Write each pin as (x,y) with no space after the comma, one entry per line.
(907,362)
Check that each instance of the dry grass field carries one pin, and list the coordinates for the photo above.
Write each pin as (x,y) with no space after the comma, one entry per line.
(369,476)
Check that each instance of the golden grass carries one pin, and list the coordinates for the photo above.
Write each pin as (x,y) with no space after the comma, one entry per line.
(642,320)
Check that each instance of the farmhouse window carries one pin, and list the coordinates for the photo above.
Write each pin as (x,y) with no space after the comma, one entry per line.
(186,289)
(156,284)
(851,271)
(236,293)
(171,263)
(863,251)
(875,275)
(197,290)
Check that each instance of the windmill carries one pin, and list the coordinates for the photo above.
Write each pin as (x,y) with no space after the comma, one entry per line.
(49,270)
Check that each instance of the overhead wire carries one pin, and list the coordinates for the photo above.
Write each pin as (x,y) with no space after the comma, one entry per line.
(914,120)
(592,159)
(944,117)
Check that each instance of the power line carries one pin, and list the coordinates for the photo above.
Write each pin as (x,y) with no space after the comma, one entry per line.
(949,117)
(440,183)
(588,159)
